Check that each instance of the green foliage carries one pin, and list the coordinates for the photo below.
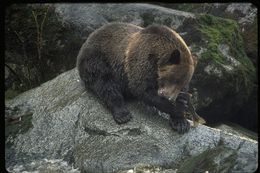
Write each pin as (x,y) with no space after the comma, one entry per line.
(39,42)
(10,93)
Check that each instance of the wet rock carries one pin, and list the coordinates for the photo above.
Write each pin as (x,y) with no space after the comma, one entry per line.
(73,125)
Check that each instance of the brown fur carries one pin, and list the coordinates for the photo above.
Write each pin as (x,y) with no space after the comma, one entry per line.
(152,63)
(160,41)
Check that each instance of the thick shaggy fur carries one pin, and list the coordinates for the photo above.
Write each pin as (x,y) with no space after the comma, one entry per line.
(152,64)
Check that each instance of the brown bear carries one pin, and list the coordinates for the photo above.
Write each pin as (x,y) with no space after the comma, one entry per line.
(152,64)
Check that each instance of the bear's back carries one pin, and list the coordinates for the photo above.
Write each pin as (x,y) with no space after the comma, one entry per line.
(105,49)
(112,39)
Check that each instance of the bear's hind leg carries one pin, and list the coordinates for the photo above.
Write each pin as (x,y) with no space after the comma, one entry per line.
(97,76)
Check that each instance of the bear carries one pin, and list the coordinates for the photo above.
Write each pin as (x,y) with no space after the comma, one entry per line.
(152,64)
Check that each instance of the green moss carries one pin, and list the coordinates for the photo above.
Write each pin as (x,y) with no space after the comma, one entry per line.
(10,93)
(222,31)
(190,164)
(206,161)
(216,31)
(212,51)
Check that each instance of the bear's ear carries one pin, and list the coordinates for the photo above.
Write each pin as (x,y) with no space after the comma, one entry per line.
(175,57)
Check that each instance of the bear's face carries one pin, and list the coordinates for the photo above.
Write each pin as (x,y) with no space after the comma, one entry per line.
(175,70)
(160,51)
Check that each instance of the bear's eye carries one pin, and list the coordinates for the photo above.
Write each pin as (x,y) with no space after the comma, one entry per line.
(175,57)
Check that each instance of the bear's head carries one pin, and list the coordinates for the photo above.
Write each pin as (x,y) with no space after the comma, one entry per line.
(157,53)
(174,72)
(175,62)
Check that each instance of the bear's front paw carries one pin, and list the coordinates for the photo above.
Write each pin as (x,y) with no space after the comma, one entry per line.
(181,125)
(122,116)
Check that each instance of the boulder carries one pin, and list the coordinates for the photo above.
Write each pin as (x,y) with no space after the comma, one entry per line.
(88,17)
(63,127)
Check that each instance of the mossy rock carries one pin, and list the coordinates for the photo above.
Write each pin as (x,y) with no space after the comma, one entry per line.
(225,77)
(218,31)
(223,50)
(219,159)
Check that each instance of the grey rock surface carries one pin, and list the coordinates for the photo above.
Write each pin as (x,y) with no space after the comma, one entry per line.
(88,17)
(245,12)
(71,124)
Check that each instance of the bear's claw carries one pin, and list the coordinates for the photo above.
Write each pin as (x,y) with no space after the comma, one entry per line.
(122,116)
(181,125)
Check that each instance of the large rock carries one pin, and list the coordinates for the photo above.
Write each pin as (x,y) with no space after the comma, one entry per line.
(88,17)
(62,127)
